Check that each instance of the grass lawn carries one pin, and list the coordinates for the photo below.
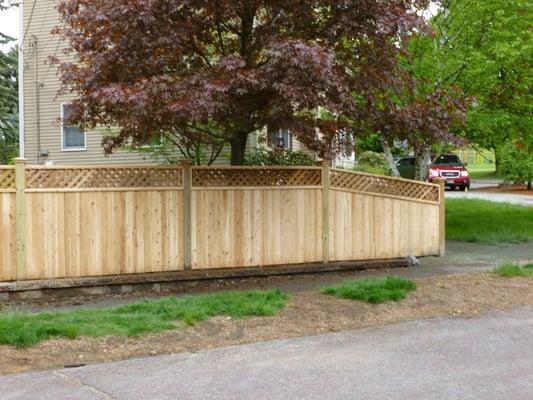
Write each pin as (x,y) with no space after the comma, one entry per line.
(138,318)
(488,222)
(482,171)
(372,290)
(510,270)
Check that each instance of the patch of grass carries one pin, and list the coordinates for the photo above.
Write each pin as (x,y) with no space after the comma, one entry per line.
(482,171)
(510,270)
(488,222)
(141,317)
(372,290)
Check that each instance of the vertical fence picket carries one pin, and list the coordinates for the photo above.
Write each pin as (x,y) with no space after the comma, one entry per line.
(20,221)
(325,211)
(187,221)
(442,216)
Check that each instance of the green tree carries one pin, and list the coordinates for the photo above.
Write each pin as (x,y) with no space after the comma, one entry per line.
(517,160)
(8,104)
(8,99)
(486,49)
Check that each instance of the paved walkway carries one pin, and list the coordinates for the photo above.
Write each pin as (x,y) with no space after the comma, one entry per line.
(524,200)
(490,357)
(483,183)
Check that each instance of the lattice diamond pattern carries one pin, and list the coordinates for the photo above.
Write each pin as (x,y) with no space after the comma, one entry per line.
(7,179)
(229,177)
(377,184)
(138,177)
(86,178)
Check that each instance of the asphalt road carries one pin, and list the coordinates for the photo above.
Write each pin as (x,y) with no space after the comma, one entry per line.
(490,357)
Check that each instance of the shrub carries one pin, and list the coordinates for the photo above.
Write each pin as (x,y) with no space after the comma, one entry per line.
(259,156)
(372,170)
(516,161)
(373,163)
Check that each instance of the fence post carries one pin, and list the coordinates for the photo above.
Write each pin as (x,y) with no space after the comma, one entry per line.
(325,212)
(20,213)
(442,216)
(187,243)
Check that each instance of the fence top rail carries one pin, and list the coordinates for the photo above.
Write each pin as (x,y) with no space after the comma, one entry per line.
(392,178)
(253,167)
(7,167)
(134,166)
(118,166)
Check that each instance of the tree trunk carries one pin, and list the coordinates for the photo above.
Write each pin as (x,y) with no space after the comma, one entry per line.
(238,147)
(423,160)
(389,157)
(497,161)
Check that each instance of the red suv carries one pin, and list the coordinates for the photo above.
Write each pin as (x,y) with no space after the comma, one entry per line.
(450,167)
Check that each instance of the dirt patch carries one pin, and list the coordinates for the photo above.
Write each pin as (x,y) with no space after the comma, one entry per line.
(510,189)
(309,313)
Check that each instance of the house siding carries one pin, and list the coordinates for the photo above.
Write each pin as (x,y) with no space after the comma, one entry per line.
(40,17)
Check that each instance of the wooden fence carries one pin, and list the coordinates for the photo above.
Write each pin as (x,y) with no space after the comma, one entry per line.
(59,221)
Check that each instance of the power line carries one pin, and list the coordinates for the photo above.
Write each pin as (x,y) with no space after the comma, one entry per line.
(27,28)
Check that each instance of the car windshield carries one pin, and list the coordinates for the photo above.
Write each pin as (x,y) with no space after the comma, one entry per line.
(448,160)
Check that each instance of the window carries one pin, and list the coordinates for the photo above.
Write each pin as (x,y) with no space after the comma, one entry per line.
(72,136)
(281,139)
(449,159)
(406,162)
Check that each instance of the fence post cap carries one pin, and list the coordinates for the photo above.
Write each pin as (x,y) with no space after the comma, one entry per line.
(20,160)
(186,162)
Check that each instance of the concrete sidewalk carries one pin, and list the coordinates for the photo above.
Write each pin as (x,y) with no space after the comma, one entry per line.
(524,200)
(490,357)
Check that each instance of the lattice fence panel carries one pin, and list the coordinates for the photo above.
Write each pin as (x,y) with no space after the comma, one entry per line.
(87,178)
(7,178)
(380,185)
(255,177)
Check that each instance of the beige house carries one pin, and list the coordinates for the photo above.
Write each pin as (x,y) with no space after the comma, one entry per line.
(43,138)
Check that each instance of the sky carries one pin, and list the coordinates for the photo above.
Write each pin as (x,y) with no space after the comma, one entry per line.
(9,24)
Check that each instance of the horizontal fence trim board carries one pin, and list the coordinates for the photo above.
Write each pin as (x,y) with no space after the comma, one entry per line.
(392,178)
(122,166)
(118,189)
(390,196)
(198,274)
(252,167)
(8,190)
(7,167)
(197,188)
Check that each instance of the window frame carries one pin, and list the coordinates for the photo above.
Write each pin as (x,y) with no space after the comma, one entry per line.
(63,126)
(279,136)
